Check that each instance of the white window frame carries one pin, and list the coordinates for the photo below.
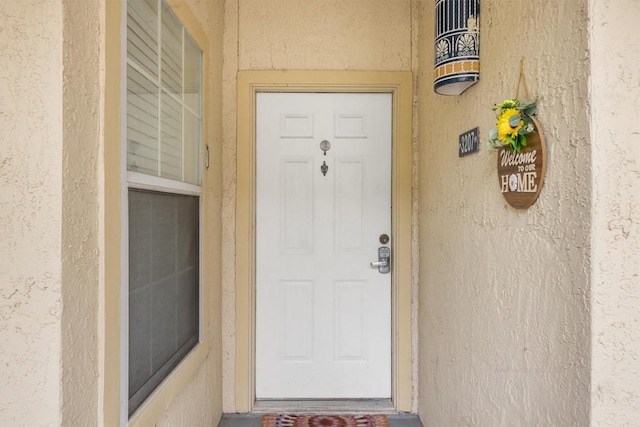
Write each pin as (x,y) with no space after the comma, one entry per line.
(151,409)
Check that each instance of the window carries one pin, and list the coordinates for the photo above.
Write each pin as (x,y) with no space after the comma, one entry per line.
(163,146)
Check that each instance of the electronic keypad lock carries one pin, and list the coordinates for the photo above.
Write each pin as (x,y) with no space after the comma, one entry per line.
(383,264)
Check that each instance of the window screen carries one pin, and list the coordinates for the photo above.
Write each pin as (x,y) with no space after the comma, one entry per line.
(163,287)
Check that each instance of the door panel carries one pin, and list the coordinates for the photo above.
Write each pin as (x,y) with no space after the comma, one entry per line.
(296,209)
(349,209)
(323,315)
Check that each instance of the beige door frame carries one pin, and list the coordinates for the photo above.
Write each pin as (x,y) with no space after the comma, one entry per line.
(399,84)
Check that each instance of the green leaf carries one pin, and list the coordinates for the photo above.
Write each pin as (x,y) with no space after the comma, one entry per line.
(493,134)
(523,130)
(530,111)
(527,104)
(494,145)
(514,120)
(523,140)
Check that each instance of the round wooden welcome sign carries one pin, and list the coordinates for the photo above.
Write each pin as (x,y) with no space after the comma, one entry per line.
(521,175)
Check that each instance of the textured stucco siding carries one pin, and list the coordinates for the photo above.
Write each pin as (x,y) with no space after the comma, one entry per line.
(615,107)
(30,207)
(52,103)
(229,122)
(324,35)
(504,293)
(298,35)
(82,82)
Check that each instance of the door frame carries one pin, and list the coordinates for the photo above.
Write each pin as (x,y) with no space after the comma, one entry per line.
(399,84)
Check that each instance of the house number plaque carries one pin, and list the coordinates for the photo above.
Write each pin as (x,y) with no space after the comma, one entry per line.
(468,142)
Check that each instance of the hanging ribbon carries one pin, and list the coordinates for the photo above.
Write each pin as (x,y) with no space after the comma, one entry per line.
(523,80)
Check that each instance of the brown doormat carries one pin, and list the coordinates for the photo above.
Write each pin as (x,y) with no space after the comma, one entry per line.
(283,420)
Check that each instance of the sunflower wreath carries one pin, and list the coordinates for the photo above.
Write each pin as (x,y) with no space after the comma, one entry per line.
(513,124)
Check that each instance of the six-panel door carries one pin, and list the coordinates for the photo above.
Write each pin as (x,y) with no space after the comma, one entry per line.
(323,314)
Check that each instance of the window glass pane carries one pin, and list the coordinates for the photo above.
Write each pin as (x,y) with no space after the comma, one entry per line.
(171,52)
(142,123)
(171,155)
(164,82)
(142,34)
(163,287)
(192,74)
(192,130)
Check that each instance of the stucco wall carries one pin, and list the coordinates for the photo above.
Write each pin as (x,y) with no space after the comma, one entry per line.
(51,141)
(328,34)
(30,211)
(82,35)
(308,35)
(615,107)
(504,294)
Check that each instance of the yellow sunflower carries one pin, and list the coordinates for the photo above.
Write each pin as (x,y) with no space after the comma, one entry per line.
(505,129)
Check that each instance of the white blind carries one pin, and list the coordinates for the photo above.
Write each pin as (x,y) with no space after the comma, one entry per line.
(171,150)
(171,53)
(142,34)
(142,123)
(164,94)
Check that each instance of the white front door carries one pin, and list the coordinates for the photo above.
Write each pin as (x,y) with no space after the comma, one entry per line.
(323,314)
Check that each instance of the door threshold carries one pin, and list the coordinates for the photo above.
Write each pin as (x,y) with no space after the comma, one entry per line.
(326,406)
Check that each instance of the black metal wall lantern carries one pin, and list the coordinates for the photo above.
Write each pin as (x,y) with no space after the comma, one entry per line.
(457,48)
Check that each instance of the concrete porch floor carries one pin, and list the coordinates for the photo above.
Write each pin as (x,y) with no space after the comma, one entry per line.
(253,420)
